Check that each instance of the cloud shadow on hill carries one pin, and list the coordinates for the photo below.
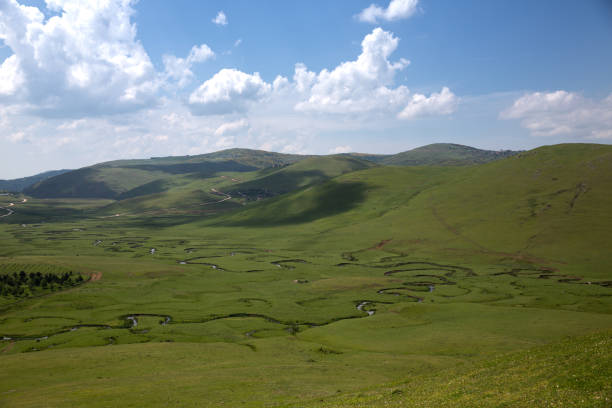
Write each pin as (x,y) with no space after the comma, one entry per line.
(329,199)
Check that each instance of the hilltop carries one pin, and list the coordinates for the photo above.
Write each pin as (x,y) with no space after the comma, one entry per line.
(131,178)
(445,154)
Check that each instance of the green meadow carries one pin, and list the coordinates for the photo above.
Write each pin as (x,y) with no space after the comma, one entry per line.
(249,279)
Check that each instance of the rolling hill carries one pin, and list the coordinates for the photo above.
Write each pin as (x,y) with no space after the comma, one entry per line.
(444,154)
(131,178)
(20,184)
(530,207)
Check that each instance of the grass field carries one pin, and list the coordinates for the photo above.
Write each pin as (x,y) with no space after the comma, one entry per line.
(356,285)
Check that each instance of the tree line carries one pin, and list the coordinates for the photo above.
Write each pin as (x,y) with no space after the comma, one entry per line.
(24,284)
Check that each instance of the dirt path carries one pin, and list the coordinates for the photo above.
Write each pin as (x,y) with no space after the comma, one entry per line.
(381,244)
(153,212)
(9,212)
(9,347)
(96,276)
(217,192)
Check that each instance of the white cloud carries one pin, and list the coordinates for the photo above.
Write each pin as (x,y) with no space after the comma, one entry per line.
(540,102)
(220,19)
(72,125)
(238,42)
(80,61)
(11,76)
(356,86)
(228,91)
(562,113)
(303,78)
(442,103)
(341,149)
(364,85)
(397,10)
(179,69)
(280,83)
(232,127)
(16,137)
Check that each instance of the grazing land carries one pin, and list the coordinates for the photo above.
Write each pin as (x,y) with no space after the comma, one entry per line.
(247,278)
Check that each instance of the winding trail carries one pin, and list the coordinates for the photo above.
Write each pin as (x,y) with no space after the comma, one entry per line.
(177,210)
(9,212)
(217,192)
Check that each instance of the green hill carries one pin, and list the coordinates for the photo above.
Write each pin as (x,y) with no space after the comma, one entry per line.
(444,154)
(20,184)
(130,178)
(307,172)
(228,190)
(550,203)
(123,179)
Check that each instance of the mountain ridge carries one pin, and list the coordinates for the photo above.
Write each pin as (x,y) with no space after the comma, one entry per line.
(128,178)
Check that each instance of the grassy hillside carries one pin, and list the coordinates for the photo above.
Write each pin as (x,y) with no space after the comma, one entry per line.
(570,373)
(444,154)
(550,203)
(131,178)
(307,172)
(227,190)
(18,185)
(361,286)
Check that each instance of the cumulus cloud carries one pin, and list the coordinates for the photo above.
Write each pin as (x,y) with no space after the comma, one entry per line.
(396,10)
(303,78)
(280,83)
(442,103)
(355,86)
(82,60)
(228,91)
(179,69)
(232,127)
(562,113)
(220,19)
(11,76)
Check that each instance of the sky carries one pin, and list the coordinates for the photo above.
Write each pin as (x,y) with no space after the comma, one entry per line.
(87,81)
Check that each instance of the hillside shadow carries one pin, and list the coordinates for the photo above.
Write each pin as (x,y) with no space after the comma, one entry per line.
(330,199)
(153,187)
(78,183)
(163,221)
(277,183)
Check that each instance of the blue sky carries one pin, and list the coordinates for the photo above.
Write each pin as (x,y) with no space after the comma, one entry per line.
(88,81)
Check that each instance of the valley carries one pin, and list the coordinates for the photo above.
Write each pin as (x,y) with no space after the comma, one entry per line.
(250,278)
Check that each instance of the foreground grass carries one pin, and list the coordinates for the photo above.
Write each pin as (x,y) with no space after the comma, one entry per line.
(575,372)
